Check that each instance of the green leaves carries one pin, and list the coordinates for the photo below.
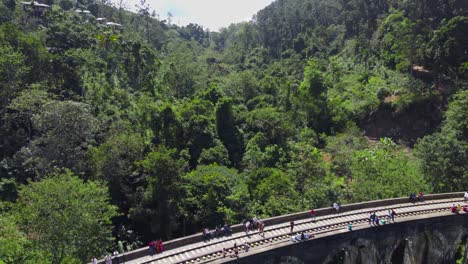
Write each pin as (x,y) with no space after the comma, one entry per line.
(13,70)
(456,116)
(160,113)
(209,191)
(448,46)
(272,192)
(384,172)
(159,207)
(66,129)
(66,217)
(15,248)
(443,155)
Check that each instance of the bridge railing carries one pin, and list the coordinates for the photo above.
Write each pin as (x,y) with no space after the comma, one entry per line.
(179,242)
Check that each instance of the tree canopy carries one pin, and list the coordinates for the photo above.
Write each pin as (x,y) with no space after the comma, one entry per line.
(112,136)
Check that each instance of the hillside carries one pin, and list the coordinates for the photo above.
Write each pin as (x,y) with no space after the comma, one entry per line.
(117,128)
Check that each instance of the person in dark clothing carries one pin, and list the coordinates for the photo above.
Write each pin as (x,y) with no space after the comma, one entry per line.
(292,226)
(393,215)
(152,247)
(226,229)
(376,219)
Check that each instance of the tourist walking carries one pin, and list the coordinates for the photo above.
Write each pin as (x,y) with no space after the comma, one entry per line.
(246,247)
(261,228)
(393,215)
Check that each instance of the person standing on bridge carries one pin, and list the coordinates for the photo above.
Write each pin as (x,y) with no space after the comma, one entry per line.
(152,247)
(292,226)
(115,257)
(246,247)
(247,227)
(312,214)
(94,261)
(420,196)
(466,196)
(375,218)
(336,206)
(159,246)
(108,259)
(393,216)
(236,251)
(261,228)
(226,229)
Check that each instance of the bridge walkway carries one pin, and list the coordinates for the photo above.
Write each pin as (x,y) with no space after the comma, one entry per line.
(209,250)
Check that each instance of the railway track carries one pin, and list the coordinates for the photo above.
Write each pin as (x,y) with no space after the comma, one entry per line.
(204,252)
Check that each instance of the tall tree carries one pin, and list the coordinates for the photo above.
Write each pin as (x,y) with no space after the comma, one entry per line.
(66,217)
(228,132)
(65,132)
(160,205)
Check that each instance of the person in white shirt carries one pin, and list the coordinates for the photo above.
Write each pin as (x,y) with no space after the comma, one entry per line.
(115,255)
(94,261)
(246,247)
(108,259)
(466,196)
(336,206)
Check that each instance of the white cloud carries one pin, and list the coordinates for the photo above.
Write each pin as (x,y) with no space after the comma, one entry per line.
(212,14)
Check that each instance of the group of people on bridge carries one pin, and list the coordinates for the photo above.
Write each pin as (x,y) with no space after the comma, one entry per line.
(254,224)
(235,251)
(375,220)
(155,246)
(259,225)
(219,231)
(416,197)
(108,259)
(458,208)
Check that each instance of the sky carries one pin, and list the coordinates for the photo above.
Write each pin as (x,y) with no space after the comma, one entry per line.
(212,14)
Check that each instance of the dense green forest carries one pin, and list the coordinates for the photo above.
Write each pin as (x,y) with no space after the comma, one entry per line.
(110,136)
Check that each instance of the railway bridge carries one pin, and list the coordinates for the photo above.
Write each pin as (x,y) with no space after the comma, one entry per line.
(421,228)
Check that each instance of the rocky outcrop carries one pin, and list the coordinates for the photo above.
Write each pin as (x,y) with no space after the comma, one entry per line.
(429,246)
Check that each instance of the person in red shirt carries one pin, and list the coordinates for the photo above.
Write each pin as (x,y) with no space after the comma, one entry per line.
(312,214)
(159,246)
(454,209)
